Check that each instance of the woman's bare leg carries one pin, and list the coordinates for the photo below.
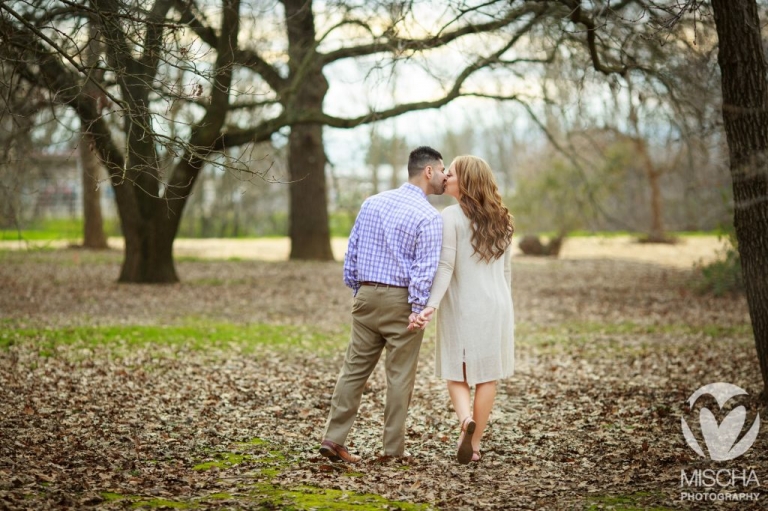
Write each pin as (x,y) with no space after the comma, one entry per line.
(460,397)
(485,393)
(459,392)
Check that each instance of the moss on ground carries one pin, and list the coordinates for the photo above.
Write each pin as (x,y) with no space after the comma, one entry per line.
(269,496)
(636,501)
(270,463)
(305,498)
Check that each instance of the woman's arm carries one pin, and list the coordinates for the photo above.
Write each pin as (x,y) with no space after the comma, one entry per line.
(508,267)
(447,261)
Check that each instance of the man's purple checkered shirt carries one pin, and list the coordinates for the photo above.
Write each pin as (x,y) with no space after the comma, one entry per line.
(396,240)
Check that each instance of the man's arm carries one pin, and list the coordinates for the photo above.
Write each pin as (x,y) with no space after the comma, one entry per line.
(425,263)
(350,259)
(443,275)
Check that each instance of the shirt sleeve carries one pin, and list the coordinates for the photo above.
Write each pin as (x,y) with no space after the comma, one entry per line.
(446,265)
(425,263)
(350,259)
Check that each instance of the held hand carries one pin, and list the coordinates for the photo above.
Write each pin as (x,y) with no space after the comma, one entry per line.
(426,314)
(413,321)
(425,317)
(420,320)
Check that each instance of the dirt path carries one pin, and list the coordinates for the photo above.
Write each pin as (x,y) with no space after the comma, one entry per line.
(689,250)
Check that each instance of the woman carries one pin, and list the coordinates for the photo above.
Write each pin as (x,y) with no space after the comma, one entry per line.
(472,290)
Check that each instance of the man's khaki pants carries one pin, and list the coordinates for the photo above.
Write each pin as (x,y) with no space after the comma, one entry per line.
(379,320)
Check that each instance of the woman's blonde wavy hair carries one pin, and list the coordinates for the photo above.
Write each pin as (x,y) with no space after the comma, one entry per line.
(479,197)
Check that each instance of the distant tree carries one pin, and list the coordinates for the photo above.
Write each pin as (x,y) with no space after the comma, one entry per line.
(651,94)
(19,109)
(504,146)
(91,168)
(390,151)
(552,197)
(459,140)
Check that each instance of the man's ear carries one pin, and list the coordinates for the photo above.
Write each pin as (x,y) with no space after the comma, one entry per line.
(428,171)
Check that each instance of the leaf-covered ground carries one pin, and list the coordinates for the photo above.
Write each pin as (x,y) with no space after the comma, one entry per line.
(213,393)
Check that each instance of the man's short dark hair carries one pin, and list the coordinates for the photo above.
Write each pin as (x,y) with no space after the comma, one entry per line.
(420,158)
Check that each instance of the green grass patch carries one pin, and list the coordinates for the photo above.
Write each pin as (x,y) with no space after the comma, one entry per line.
(44,254)
(270,473)
(197,337)
(225,460)
(56,229)
(270,463)
(635,501)
(112,497)
(162,504)
(262,492)
(270,496)
(207,337)
(254,441)
(306,497)
(273,462)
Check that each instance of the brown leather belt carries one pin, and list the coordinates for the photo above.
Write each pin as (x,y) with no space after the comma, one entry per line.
(379,284)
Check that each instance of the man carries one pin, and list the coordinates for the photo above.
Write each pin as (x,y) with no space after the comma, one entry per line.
(393,251)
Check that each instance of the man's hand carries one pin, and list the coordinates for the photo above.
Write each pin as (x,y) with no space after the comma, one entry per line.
(420,320)
(413,321)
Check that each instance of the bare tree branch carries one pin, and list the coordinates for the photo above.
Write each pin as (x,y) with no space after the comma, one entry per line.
(245,57)
(392,43)
(208,130)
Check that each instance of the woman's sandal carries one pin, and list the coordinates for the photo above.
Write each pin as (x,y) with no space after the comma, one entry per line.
(465,453)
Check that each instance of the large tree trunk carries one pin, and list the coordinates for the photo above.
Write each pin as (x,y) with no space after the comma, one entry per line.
(745,117)
(93,224)
(148,253)
(148,243)
(136,180)
(148,240)
(148,249)
(309,232)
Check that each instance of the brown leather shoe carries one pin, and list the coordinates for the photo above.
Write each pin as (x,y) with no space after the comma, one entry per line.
(337,452)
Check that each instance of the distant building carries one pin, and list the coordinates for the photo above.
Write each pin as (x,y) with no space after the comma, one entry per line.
(48,186)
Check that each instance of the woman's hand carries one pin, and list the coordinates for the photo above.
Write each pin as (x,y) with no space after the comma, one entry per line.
(422,319)
(426,314)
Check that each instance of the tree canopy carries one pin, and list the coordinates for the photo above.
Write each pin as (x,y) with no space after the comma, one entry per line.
(182,84)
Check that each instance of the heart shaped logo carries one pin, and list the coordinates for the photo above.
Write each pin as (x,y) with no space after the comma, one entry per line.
(721,438)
